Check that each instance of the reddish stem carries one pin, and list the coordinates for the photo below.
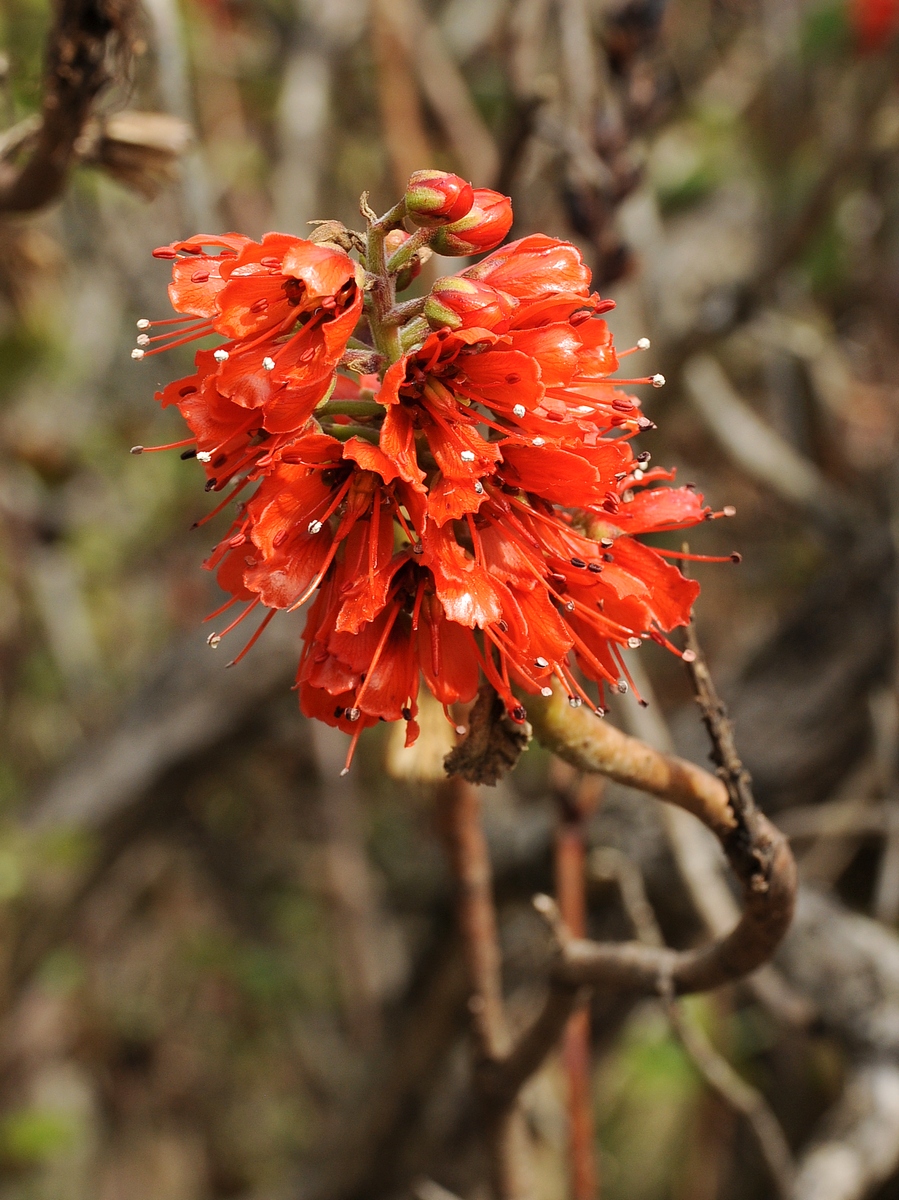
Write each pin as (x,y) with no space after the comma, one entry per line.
(503,1128)
(575,802)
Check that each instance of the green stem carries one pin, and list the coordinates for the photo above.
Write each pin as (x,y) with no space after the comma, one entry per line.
(350,408)
(400,313)
(343,433)
(410,247)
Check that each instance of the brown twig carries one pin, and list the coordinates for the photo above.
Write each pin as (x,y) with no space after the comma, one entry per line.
(445,89)
(405,136)
(715,1070)
(460,810)
(576,798)
(757,852)
(85,36)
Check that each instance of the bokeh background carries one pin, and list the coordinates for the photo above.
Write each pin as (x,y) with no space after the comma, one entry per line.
(225,973)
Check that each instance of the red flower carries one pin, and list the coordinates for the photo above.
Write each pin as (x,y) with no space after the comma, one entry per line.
(437,198)
(468,508)
(457,303)
(484,227)
(875,22)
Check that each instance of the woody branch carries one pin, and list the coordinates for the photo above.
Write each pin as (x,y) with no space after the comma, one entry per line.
(757,852)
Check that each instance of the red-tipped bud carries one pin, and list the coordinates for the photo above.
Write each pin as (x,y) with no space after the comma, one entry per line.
(436,198)
(457,303)
(483,228)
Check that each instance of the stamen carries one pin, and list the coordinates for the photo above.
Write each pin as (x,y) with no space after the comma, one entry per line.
(170,446)
(352,750)
(254,639)
(734,556)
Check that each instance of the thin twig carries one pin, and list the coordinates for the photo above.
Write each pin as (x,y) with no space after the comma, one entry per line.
(402,118)
(461,813)
(576,797)
(445,88)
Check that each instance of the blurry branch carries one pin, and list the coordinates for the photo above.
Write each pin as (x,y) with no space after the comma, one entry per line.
(139,149)
(505,1134)
(849,966)
(755,446)
(576,797)
(445,89)
(405,136)
(349,888)
(714,1068)
(873,80)
(88,46)
(305,114)
(188,706)
(859,1148)
(841,818)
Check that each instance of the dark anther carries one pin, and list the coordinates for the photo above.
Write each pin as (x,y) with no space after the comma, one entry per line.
(578,562)
(595,567)
(189,454)
(406,713)
(607,558)
(210,484)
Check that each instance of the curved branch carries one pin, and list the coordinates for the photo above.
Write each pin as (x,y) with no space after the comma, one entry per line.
(757,852)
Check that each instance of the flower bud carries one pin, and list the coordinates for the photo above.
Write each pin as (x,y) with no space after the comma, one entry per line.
(412,269)
(481,229)
(457,303)
(436,198)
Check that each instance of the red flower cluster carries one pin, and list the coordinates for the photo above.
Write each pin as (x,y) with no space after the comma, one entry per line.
(457,488)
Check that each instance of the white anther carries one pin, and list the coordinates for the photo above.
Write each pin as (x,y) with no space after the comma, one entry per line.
(479,487)
(353,714)
(461,730)
(467,455)
(143,323)
(204,456)
(143,339)
(729,510)
(689,656)
(584,408)
(137,353)
(221,356)
(518,411)
(546,691)
(314,526)
(658,381)
(344,771)
(541,663)
(643,343)
(622,686)
(539,442)
(638,474)
(634,643)
(213,640)
(268,364)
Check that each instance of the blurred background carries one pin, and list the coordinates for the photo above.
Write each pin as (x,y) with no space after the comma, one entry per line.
(226,973)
